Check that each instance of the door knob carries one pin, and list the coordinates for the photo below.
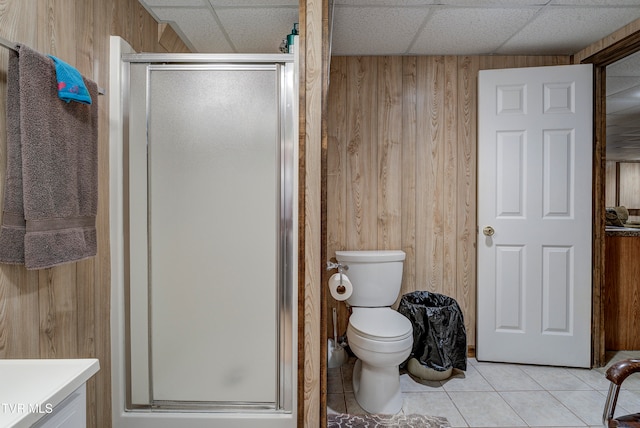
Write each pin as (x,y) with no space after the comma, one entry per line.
(488,231)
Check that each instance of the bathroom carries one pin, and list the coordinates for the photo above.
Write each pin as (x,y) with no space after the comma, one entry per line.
(64,312)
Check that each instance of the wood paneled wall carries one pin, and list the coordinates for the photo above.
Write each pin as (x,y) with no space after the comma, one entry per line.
(63,312)
(628,188)
(611,184)
(401,169)
(623,185)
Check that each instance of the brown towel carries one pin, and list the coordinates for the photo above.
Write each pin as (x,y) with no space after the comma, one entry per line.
(51,198)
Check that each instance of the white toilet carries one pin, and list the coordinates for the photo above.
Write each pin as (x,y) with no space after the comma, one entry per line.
(379,336)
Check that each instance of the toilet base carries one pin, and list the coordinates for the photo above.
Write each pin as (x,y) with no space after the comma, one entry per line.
(377,389)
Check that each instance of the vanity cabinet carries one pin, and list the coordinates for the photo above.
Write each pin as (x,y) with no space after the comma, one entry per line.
(622,290)
(45,393)
(70,413)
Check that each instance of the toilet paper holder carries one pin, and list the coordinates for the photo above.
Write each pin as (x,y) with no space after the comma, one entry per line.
(331,265)
(341,268)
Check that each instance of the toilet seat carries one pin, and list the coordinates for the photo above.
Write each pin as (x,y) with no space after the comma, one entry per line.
(380,324)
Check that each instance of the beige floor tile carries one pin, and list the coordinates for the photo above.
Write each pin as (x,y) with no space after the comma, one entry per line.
(353,408)
(471,361)
(485,409)
(628,402)
(433,404)
(540,408)
(556,378)
(336,403)
(334,381)
(587,405)
(409,383)
(507,377)
(347,375)
(470,380)
(632,382)
(594,378)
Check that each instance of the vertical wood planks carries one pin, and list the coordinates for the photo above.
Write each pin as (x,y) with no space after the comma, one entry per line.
(336,157)
(389,150)
(336,180)
(362,147)
(408,168)
(611,184)
(57,35)
(313,383)
(19,316)
(465,286)
(425,197)
(629,184)
(450,175)
(430,178)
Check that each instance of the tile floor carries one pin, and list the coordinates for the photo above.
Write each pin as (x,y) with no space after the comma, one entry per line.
(503,395)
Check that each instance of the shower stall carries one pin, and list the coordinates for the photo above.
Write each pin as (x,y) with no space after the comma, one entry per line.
(203,233)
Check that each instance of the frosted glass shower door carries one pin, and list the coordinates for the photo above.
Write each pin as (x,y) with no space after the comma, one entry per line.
(203,227)
(213,212)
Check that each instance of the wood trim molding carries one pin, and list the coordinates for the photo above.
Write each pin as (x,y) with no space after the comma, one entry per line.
(302,387)
(325,65)
(615,51)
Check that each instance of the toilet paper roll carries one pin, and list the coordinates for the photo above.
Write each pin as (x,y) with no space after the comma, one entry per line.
(340,290)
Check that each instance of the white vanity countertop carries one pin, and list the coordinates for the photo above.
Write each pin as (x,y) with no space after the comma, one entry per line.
(29,389)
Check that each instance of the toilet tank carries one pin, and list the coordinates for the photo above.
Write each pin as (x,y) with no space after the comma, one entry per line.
(376,276)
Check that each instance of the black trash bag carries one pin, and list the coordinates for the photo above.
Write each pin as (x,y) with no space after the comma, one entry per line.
(439,335)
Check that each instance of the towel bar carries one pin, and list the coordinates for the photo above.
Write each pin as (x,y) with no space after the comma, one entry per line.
(14,47)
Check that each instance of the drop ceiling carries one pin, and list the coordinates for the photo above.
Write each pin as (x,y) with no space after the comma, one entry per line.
(429,27)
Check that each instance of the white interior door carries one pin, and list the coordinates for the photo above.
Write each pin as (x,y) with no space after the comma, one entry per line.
(535,215)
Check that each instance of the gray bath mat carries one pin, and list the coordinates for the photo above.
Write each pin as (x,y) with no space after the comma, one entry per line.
(343,420)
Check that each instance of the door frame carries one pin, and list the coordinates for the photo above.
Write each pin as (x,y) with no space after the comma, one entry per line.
(600,61)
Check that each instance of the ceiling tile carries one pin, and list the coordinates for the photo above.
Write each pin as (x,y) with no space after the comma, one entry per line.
(253,3)
(198,25)
(173,3)
(467,31)
(385,3)
(472,3)
(603,3)
(494,3)
(269,26)
(564,31)
(375,30)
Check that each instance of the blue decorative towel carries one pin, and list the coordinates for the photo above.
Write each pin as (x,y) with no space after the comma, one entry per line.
(71,86)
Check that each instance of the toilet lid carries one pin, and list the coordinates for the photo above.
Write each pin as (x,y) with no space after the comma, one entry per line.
(380,323)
